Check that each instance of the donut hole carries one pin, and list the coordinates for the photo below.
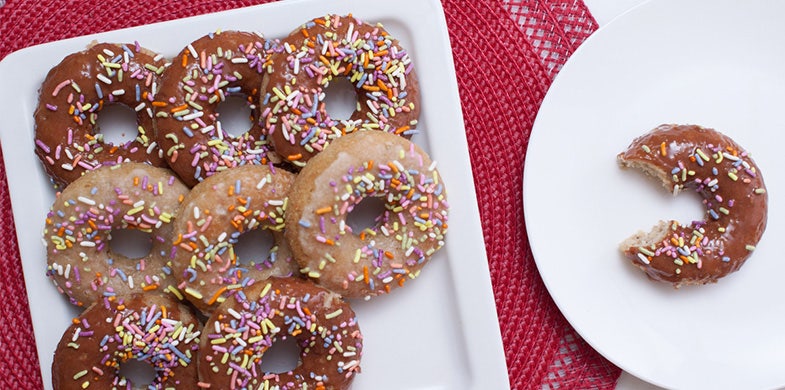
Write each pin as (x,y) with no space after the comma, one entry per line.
(366,214)
(282,356)
(131,243)
(117,124)
(253,246)
(234,115)
(340,98)
(140,373)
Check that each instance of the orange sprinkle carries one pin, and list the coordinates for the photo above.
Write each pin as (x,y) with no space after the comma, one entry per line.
(320,21)
(184,61)
(662,148)
(136,181)
(348,69)
(388,254)
(393,167)
(402,129)
(323,210)
(293,157)
(150,287)
(387,288)
(163,312)
(296,111)
(401,281)
(179,108)
(217,294)
(365,274)
(370,164)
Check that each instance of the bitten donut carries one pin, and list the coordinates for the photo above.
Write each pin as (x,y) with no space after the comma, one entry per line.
(67,137)
(80,223)
(154,329)
(319,53)
(211,220)
(382,257)
(733,192)
(202,76)
(249,322)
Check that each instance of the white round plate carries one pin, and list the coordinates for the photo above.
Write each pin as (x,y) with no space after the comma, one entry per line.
(720,64)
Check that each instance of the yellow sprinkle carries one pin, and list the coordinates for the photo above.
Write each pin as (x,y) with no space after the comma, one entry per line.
(193,293)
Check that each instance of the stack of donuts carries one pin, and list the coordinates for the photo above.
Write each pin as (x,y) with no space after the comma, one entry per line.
(191,308)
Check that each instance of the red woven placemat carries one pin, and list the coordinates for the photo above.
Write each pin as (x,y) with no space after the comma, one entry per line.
(506,55)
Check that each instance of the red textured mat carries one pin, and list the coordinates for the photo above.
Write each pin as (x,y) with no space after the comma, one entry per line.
(506,55)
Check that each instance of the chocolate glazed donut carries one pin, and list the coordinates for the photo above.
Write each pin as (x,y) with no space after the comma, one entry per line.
(202,76)
(67,138)
(317,54)
(155,329)
(250,321)
(733,193)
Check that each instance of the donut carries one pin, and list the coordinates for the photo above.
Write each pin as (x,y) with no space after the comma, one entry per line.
(154,329)
(80,223)
(67,136)
(382,257)
(202,75)
(734,196)
(211,220)
(252,320)
(320,52)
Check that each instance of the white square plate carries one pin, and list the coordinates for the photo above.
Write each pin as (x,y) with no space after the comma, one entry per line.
(441,332)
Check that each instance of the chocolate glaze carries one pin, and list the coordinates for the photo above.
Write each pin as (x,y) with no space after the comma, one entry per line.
(733,193)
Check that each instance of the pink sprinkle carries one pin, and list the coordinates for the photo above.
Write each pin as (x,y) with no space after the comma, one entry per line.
(60,86)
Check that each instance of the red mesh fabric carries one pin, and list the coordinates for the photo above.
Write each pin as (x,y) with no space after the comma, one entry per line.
(500,102)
